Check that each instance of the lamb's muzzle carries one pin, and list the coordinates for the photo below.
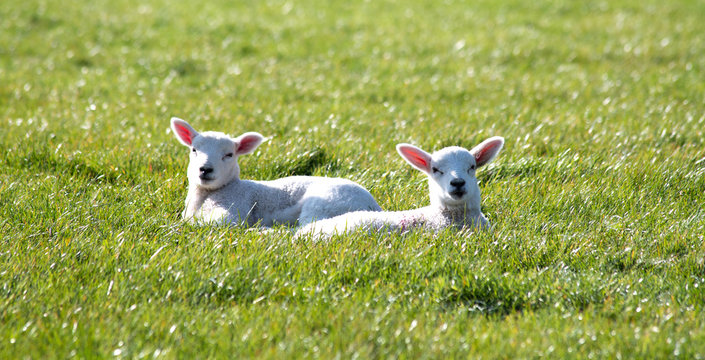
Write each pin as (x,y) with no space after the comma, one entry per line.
(204,173)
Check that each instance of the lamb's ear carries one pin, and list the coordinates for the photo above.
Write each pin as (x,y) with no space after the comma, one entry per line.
(183,131)
(247,143)
(487,150)
(418,158)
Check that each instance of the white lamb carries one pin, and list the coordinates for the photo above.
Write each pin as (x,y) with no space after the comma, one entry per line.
(217,194)
(455,196)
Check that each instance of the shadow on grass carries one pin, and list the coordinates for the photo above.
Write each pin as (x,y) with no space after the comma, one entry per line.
(486,296)
(306,163)
(49,162)
(189,67)
(236,288)
(502,296)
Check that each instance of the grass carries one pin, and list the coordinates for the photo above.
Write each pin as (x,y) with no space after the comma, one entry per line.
(597,198)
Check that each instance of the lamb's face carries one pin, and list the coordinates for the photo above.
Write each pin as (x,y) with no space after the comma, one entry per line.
(451,171)
(213,160)
(452,180)
(213,154)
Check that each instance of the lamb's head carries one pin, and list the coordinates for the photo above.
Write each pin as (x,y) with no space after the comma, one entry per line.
(213,154)
(451,171)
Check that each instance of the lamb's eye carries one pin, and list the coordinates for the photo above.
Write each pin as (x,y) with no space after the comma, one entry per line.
(472,167)
(193,150)
(228,155)
(436,171)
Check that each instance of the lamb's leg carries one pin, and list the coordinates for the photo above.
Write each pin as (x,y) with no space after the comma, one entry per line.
(315,208)
(317,205)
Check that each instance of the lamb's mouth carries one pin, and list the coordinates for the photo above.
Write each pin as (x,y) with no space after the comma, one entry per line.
(457,194)
(205,179)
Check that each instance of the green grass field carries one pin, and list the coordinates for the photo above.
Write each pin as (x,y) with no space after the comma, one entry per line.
(597,198)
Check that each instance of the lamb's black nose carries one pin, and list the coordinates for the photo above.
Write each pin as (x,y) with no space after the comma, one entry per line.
(457,182)
(205,170)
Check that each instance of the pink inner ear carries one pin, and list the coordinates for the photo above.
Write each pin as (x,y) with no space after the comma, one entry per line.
(183,133)
(247,144)
(417,159)
(482,155)
(486,152)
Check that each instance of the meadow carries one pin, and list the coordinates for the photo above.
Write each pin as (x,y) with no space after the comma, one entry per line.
(596,200)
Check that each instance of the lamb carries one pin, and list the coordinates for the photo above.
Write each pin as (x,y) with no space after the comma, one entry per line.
(217,194)
(455,196)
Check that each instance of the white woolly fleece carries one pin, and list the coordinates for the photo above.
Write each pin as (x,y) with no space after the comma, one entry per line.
(455,196)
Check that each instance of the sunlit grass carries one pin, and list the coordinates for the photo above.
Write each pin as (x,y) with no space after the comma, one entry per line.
(596,200)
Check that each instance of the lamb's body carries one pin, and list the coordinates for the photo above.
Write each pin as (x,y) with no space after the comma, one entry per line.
(287,201)
(217,194)
(429,218)
(455,196)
